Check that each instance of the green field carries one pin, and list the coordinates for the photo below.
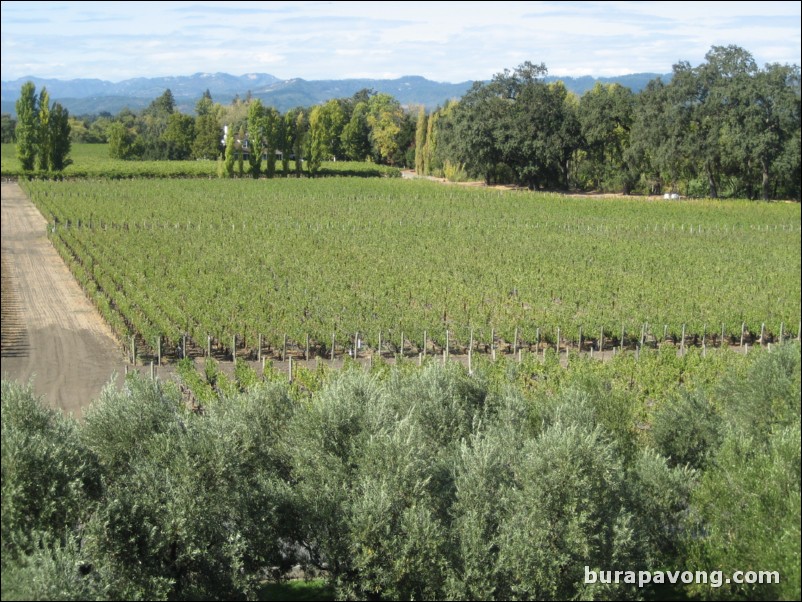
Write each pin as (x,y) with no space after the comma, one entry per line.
(92,161)
(337,257)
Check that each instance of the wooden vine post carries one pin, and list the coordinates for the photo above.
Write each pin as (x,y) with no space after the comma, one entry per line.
(470,354)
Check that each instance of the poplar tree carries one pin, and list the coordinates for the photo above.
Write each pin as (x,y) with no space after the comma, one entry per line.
(60,143)
(430,145)
(45,135)
(256,118)
(240,157)
(300,142)
(317,143)
(286,140)
(272,130)
(420,142)
(27,130)
(230,158)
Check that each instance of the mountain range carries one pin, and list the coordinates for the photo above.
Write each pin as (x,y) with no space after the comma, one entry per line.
(92,96)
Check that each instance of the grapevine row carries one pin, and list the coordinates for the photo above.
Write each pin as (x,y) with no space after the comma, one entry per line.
(291,260)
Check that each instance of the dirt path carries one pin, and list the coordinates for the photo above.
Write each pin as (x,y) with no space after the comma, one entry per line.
(50,331)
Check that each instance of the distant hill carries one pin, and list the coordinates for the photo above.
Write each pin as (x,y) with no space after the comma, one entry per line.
(634,81)
(87,96)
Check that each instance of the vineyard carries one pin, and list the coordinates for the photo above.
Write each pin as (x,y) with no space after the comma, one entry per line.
(414,266)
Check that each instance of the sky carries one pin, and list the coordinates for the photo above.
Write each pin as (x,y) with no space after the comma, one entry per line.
(443,41)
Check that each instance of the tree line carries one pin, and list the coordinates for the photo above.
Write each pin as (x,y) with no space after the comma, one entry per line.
(726,128)
(251,137)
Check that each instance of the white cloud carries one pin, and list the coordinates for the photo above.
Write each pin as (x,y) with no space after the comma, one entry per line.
(268,58)
(446,41)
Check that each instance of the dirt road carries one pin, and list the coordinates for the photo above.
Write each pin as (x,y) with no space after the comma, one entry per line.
(50,331)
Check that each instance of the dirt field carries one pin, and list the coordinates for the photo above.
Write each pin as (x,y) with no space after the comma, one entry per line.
(50,331)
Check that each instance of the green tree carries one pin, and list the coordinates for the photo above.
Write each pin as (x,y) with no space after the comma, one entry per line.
(162,106)
(121,141)
(286,141)
(272,136)
(477,122)
(333,123)
(8,126)
(44,137)
(205,104)
(605,116)
(27,129)
(420,142)
(356,134)
(325,130)
(318,136)
(265,131)
(300,134)
(152,125)
(206,144)
(537,133)
(651,149)
(385,117)
(98,128)
(405,157)
(240,148)
(256,136)
(60,137)
(723,123)
(430,146)
(773,120)
(231,152)
(702,101)
(568,136)
(80,132)
(178,136)
(723,86)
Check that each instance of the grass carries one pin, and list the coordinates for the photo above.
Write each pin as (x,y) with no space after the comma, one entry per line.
(93,161)
(297,590)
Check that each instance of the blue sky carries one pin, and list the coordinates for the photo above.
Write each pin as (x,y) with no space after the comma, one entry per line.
(333,40)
